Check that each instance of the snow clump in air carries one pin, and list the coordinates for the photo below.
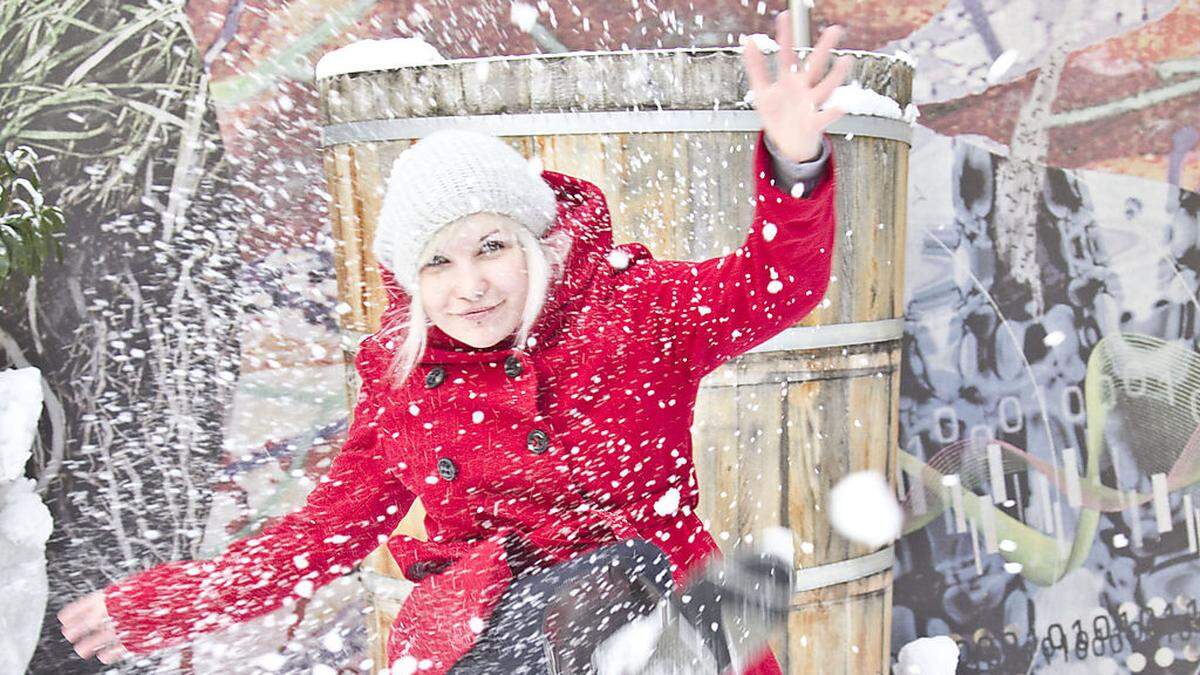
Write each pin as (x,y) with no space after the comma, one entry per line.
(863,509)
(523,15)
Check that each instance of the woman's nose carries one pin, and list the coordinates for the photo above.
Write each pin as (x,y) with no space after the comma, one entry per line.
(471,285)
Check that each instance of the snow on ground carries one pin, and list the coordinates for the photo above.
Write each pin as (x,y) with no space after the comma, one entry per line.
(20,408)
(25,522)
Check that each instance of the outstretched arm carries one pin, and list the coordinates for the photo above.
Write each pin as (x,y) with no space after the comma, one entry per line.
(713,310)
(350,512)
(705,313)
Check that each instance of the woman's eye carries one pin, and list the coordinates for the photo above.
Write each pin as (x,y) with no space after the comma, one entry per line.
(437,260)
(493,245)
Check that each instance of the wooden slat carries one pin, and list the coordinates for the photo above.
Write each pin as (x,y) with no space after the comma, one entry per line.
(371,179)
(837,629)
(715,454)
(347,234)
(761,458)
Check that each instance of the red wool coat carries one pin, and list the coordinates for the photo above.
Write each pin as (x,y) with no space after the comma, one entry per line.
(569,443)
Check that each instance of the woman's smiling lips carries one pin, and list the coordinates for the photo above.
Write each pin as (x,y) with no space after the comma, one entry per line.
(480,313)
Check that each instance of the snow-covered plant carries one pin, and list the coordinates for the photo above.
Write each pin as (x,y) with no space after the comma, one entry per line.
(29,227)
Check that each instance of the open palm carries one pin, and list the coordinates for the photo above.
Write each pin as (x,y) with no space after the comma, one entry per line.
(791,106)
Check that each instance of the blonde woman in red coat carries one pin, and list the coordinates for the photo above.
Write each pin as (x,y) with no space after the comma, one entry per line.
(534,385)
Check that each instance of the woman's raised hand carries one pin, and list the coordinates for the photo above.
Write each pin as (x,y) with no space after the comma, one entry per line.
(86,624)
(790,106)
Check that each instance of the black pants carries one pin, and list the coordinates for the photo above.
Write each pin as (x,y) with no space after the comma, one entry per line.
(550,620)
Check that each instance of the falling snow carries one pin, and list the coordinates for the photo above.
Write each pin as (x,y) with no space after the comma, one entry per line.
(611,405)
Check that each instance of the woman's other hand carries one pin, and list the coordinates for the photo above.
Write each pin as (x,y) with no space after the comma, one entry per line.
(790,106)
(86,624)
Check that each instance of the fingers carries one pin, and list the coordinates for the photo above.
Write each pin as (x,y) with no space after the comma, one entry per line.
(786,61)
(94,642)
(112,653)
(76,608)
(835,79)
(82,616)
(828,116)
(814,64)
(756,67)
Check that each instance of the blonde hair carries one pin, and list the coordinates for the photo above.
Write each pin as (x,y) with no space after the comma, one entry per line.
(545,259)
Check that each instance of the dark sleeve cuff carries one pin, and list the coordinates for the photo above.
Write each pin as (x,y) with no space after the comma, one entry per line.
(789,173)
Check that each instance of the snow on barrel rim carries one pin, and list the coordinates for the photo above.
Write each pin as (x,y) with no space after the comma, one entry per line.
(768,45)
(374,55)
(370,55)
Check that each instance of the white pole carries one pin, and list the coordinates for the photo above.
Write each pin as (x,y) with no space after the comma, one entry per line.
(801,32)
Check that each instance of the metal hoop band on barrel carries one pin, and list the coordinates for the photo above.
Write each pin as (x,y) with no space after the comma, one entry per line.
(615,122)
(841,572)
(797,338)
(834,335)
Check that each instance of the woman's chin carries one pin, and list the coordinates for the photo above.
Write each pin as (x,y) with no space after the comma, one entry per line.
(482,339)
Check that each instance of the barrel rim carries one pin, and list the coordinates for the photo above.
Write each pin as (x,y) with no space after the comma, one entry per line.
(607,122)
(695,51)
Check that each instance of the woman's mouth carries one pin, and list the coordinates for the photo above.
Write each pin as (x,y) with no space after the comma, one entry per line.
(482,312)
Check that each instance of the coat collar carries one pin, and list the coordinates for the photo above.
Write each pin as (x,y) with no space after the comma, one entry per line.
(583,214)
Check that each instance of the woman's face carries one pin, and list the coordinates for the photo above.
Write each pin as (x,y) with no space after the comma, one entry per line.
(476,264)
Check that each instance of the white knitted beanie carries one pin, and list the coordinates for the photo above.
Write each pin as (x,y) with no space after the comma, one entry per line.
(445,176)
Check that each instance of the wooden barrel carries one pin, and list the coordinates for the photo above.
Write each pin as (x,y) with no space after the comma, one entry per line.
(669,139)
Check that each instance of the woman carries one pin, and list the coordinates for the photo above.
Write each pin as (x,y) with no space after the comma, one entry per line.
(532,384)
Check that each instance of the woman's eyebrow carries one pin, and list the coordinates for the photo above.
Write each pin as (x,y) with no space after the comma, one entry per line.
(489,234)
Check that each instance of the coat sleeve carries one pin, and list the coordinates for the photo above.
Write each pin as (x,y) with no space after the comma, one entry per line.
(710,311)
(347,515)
